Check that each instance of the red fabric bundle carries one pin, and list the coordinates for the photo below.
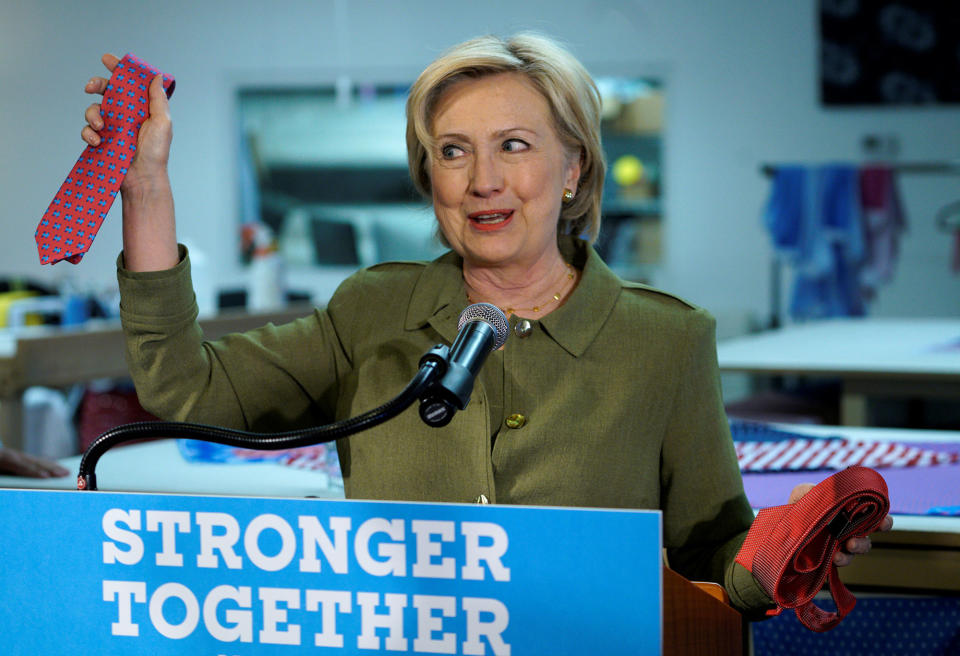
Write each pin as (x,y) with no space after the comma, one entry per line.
(789,549)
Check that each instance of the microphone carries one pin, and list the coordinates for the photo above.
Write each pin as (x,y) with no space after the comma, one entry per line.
(483,329)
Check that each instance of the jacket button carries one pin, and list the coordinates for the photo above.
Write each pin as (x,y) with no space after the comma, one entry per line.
(516,420)
(523,328)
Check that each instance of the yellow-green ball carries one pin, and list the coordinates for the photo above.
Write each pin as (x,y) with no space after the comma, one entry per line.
(627,170)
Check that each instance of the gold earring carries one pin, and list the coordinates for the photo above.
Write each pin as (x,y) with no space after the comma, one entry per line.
(567,195)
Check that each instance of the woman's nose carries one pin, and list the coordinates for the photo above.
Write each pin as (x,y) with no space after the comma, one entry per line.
(487,175)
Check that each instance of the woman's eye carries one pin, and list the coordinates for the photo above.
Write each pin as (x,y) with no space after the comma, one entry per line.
(450,151)
(515,145)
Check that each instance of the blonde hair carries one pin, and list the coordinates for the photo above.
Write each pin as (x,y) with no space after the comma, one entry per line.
(569,90)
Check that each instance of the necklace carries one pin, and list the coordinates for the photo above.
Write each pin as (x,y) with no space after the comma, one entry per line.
(570,276)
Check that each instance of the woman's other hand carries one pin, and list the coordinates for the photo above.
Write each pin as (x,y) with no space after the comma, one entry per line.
(23,464)
(851,547)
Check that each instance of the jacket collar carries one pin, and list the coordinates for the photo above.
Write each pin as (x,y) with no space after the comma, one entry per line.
(439,297)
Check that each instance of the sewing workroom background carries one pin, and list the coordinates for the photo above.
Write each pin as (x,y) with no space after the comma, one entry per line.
(781,164)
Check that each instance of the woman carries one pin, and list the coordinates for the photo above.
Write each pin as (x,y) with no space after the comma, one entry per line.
(607,393)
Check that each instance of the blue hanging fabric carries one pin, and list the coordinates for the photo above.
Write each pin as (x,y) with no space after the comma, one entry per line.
(814,220)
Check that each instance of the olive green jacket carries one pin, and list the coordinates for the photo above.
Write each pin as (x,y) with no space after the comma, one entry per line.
(614,396)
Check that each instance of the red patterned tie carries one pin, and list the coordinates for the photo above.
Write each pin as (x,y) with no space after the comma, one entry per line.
(789,549)
(69,225)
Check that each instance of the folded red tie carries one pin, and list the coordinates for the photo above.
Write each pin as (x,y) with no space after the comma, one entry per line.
(69,225)
(789,549)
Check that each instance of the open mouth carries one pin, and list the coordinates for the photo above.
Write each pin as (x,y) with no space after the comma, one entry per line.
(490,219)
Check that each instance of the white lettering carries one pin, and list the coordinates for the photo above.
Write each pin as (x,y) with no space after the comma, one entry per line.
(241,620)
(191,617)
(274,616)
(428,624)
(427,549)
(335,552)
(125,592)
(111,553)
(328,601)
(395,553)
(288,542)
(370,620)
(168,521)
(492,629)
(222,542)
(490,553)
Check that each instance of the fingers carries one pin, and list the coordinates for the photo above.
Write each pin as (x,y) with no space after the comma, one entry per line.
(99,84)
(851,548)
(90,136)
(799,491)
(89,133)
(43,468)
(93,117)
(841,559)
(96,85)
(855,546)
(159,103)
(22,464)
(858,545)
(110,61)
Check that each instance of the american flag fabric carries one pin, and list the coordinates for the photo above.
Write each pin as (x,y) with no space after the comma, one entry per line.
(79,207)
(804,454)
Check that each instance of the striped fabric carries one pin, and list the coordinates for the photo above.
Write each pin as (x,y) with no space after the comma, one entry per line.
(804,454)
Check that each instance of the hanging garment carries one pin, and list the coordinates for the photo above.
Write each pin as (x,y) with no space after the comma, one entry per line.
(955,261)
(883,223)
(814,219)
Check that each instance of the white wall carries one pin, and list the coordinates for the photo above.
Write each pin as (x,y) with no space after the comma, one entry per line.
(742,90)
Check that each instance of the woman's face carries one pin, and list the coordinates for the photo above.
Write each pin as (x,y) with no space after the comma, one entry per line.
(498,171)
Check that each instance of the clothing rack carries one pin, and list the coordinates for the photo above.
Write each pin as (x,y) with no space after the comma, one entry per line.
(947,219)
(950,167)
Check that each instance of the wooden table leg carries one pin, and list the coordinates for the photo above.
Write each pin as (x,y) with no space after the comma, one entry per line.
(853,407)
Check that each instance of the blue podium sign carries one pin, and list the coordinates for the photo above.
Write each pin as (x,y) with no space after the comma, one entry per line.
(105,573)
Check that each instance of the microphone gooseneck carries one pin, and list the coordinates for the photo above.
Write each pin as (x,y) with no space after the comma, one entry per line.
(482,330)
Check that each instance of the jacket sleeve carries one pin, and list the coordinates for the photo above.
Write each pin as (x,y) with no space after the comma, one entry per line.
(270,379)
(706,513)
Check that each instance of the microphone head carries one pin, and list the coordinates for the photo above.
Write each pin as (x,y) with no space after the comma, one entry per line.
(490,315)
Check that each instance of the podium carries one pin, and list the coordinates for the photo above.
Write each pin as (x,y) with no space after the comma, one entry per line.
(698,619)
(171,574)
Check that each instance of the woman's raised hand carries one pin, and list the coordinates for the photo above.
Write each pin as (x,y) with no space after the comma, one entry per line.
(149,164)
(149,225)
